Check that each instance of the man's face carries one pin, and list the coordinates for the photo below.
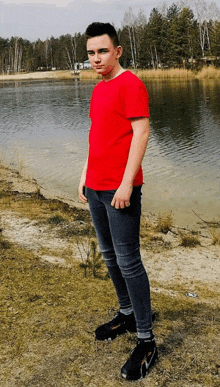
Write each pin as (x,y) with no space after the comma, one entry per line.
(102,54)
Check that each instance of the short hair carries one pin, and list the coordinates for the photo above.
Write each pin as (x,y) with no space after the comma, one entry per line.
(98,29)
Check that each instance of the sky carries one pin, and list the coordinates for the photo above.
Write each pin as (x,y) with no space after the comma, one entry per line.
(42,19)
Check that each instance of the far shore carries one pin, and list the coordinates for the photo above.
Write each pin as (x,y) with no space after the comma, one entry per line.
(64,74)
(160,74)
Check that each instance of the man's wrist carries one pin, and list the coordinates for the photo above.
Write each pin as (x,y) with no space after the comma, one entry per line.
(128,183)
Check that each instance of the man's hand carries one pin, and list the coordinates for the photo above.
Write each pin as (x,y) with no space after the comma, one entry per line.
(82,197)
(82,183)
(122,196)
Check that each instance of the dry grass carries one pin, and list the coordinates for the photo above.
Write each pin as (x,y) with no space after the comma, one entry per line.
(188,239)
(215,233)
(164,223)
(160,74)
(49,314)
(165,74)
(208,73)
(48,317)
(89,74)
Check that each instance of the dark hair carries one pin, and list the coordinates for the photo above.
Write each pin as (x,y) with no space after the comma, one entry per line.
(98,29)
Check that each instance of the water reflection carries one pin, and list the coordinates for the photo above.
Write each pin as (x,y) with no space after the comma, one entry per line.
(183,122)
(44,126)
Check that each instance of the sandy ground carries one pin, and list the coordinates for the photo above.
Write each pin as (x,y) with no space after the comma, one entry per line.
(190,267)
(39,75)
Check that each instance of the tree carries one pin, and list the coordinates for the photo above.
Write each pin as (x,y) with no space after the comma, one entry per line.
(129,24)
(154,37)
(182,36)
(215,39)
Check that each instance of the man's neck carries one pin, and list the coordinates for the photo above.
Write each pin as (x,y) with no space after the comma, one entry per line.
(116,71)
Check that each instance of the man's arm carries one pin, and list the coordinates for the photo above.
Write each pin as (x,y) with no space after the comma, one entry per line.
(82,183)
(141,132)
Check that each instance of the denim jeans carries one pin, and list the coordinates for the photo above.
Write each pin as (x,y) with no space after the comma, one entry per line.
(118,232)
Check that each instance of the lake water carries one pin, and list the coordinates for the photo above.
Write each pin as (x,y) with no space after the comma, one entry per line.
(44,129)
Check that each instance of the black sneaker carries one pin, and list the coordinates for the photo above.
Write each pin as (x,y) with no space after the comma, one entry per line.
(142,358)
(118,326)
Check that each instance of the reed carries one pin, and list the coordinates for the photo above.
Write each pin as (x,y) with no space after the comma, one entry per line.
(208,73)
(159,74)
(89,74)
(165,74)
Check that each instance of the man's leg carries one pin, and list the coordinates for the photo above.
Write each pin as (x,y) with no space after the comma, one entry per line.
(124,227)
(125,242)
(100,221)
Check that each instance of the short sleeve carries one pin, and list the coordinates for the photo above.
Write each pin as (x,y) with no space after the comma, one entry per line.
(136,98)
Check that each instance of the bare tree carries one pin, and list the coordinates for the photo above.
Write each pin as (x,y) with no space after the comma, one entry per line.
(204,13)
(129,22)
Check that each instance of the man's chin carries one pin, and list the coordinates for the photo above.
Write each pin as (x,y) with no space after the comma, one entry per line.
(102,71)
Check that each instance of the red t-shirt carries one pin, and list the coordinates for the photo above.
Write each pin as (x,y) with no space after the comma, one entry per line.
(112,104)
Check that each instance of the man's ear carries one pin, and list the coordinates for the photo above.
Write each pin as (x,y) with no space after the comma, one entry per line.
(119,51)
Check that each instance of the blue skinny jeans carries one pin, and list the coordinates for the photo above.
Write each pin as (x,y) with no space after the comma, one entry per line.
(118,232)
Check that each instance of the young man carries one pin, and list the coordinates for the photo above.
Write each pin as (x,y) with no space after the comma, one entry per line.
(111,182)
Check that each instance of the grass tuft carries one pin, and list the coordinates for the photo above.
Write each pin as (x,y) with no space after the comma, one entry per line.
(4,244)
(215,236)
(56,219)
(189,240)
(164,223)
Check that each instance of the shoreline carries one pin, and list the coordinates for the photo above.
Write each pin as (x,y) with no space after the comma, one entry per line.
(28,185)
(22,184)
(160,236)
(40,75)
(206,73)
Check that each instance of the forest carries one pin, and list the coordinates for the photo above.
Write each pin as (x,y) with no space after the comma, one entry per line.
(183,35)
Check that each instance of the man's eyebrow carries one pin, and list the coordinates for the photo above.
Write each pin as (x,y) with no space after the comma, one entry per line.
(100,49)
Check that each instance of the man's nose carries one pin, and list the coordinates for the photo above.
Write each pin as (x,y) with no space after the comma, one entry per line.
(97,58)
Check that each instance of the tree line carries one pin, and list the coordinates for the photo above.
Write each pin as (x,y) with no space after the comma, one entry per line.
(186,34)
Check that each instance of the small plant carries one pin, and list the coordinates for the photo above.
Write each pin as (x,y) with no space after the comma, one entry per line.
(94,261)
(37,192)
(56,219)
(4,245)
(164,223)
(91,259)
(215,236)
(189,240)
(3,194)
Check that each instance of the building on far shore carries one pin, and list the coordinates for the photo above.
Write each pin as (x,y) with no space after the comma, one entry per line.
(82,66)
